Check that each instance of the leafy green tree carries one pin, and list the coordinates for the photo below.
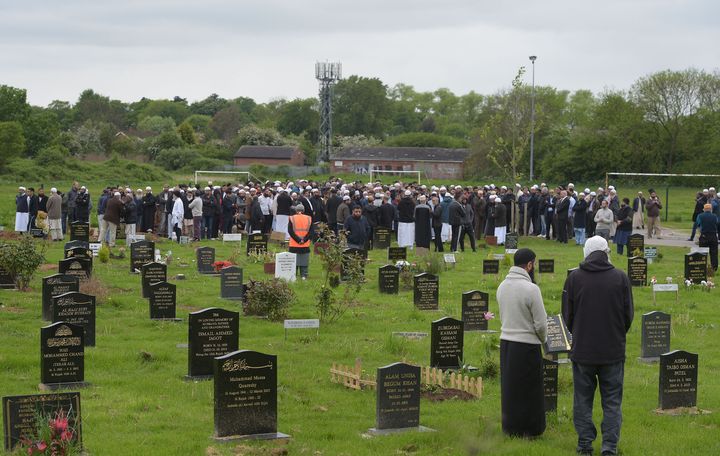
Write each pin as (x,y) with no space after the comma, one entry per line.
(12,141)
(361,106)
(177,110)
(298,117)
(63,112)
(13,104)
(157,124)
(209,106)
(94,107)
(227,122)
(40,130)
(166,140)
(187,134)
(256,136)
(125,146)
(421,139)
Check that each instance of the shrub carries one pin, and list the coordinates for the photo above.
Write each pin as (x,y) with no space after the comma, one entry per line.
(21,260)
(104,254)
(271,298)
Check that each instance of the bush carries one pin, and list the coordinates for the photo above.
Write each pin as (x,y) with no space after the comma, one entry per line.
(426,140)
(104,254)
(271,298)
(21,260)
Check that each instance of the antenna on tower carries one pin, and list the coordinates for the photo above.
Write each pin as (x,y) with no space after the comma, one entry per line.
(328,74)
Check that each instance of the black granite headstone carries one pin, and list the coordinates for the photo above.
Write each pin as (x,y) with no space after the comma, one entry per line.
(396,254)
(231,283)
(246,395)
(20,414)
(76,308)
(151,273)
(511,240)
(426,291)
(696,267)
(54,285)
(6,280)
(163,298)
(381,238)
(491,266)
(76,267)
(398,397)
(389,279)
(550,384)
(678,379)
(636,244)
(474,305)
(205,257)
(141,252)
(79,252)
(559,339)
(546,266)
(72,244)
(654,335)
(62,355)
(347,256)
(446,343)
(80,231)
(212,332)
(257,242)
(637,271)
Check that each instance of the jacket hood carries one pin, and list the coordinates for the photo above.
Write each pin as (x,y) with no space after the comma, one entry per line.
(518,273)
(596,262)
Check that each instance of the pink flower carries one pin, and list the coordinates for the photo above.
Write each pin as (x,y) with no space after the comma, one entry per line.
(66,436)
(488,315)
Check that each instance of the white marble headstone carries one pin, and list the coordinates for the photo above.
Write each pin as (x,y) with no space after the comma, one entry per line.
(285,266)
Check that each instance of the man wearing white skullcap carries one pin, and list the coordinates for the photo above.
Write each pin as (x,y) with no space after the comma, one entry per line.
(597,307)
(54,211)
(22,210)
(406,220)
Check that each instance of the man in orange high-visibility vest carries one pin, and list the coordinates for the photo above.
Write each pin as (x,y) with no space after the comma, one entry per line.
(300,229)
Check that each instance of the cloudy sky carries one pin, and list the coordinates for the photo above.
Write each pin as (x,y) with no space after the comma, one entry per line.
(267,49)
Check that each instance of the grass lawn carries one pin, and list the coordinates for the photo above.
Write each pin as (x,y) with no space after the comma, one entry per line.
(141,405)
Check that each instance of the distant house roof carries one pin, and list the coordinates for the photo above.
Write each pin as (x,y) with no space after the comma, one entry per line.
(276,152)
(432,154)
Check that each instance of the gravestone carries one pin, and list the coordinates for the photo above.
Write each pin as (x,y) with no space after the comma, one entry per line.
(205,257)
(141,252)
(426,291)
(388,279)
(491,240)
(550,384)
(678,379)
(286,266)
(231,283)
(79,252)
(163,298)
(72,244)
(151,273)
(76,308)
(212,332)
(696,267)
(654,335)
(546,266)
(559,339)
(62,356)
(397,406)
(381,238)
(76,267)
(396,254)
(6,280)
(184,240)
(651,253)
(257,243)
(95,248)
(637,271)
(636,244)
(446,343)
(511,241)
(347,256)
(474,306)
(245,402)
(491,267)
(80,231)
(54,285)
(37,233)
(232,237)
(20,415)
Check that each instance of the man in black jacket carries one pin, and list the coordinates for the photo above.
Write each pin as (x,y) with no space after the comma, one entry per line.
(597,307)
(455,218)
(331,208)
(562,209)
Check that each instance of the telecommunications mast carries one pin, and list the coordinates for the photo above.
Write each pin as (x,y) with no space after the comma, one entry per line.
(328,74)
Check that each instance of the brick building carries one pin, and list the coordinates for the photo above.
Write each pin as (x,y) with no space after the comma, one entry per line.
(269,155)
(434,162)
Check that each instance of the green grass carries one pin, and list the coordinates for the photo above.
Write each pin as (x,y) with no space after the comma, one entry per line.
(137,406)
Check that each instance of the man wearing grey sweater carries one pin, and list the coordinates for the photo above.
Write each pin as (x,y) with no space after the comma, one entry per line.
(523,331)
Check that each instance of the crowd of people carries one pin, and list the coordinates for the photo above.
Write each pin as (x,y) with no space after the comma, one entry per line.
(419,215)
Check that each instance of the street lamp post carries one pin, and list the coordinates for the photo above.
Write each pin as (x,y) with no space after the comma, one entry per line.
(532,121)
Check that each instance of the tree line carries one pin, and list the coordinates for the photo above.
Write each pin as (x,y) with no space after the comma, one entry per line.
(667,121)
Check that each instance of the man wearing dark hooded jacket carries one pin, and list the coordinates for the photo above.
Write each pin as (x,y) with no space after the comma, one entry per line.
(597,307)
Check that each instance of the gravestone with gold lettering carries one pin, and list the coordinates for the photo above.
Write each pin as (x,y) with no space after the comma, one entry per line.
(54,285)
(76,308)
(474,306)
(62,356)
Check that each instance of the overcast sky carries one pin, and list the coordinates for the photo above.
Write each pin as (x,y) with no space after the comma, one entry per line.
(267,49)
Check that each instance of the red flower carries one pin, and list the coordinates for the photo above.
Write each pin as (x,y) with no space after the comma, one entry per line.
(66,436)
(38,448)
